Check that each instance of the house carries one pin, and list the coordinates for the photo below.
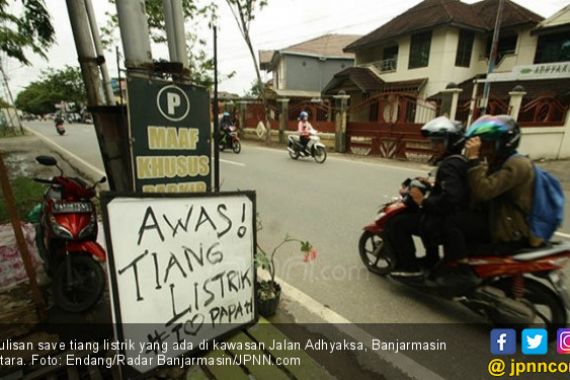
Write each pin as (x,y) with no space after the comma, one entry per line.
(405,69)
(303,69)
(442,41)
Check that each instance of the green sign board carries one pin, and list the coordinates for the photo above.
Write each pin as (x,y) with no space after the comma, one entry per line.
(169,127)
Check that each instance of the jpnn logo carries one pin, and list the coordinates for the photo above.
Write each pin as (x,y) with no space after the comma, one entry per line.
(503,341)
(534,341)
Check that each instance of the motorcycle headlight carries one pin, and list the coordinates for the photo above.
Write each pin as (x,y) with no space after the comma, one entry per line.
(59,230)
(88,230)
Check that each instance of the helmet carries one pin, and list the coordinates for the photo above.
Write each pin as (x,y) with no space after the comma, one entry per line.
(303,115)
(501,128)
(451,132)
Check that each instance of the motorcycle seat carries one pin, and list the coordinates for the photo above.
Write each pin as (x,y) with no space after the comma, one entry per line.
(544,251)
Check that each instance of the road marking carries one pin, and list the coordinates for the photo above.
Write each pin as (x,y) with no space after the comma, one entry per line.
(232,162)
(65,151)
(421,169)
(400,361)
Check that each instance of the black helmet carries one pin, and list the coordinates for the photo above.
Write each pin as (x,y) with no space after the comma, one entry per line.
(451,132)
(501,128)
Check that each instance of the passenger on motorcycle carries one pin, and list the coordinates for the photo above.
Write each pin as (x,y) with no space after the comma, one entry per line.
(304,128)
(448,195)
(501,178)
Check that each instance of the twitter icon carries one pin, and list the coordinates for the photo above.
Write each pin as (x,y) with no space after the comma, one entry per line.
(534,341)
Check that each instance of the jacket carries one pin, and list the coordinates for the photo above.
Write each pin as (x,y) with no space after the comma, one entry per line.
(450,192)
(509,192)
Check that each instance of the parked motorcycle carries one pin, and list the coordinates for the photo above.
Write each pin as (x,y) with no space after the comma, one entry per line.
(59,126)
(66,239)
(524,287)
(314,148)
(230,140)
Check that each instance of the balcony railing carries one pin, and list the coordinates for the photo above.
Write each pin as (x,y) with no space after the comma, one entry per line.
(387,65)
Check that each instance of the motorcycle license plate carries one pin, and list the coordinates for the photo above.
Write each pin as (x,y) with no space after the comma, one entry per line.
(72,207)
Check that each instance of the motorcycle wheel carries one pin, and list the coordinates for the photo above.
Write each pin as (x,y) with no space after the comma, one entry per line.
(236,147)
(87,287)
(375,253)
(294,155)
(550,311)
(61,132)
(320,155)
(222,147)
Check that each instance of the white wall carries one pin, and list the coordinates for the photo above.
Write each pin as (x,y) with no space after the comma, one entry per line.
(441,69)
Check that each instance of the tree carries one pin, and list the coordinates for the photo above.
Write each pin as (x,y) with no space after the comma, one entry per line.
(244,14)
(201,64)
(54,86)
(31,29)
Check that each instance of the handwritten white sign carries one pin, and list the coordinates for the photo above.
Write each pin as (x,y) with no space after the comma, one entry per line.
(181,270)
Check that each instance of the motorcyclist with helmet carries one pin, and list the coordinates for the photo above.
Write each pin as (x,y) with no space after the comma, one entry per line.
(304,129)
(501,178)
(449,195)
(225,124)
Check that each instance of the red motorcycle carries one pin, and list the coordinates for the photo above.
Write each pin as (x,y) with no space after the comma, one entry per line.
(59,126)
(230,140)
(66,239)
(524,287)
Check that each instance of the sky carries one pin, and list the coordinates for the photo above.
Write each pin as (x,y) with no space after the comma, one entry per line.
(280,24)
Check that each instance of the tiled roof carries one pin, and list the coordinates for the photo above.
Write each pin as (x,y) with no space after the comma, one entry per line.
(367,81)
(329,45)
(430,13)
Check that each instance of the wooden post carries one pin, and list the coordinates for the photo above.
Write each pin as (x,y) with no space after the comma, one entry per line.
(23,248)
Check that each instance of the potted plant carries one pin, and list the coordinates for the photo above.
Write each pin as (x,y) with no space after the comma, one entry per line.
(268,292)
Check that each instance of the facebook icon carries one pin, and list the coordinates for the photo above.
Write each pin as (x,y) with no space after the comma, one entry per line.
(503,341)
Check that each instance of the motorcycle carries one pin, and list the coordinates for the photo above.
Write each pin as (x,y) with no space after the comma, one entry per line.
(59,127)
(524,287)
(314,148)
(66,239)
(230,140)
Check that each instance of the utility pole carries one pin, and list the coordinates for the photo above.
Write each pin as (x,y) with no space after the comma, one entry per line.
(134,34)
(11,99)
(174,21)
(108,124)
(216,121)
(492,58)
(109,96)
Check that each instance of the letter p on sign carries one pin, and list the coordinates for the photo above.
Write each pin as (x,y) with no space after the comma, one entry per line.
(172,101)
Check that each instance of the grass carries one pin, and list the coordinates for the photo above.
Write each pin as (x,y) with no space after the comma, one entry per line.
(27,193)
(10,132)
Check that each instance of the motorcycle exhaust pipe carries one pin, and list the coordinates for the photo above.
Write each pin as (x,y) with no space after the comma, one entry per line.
(291,149)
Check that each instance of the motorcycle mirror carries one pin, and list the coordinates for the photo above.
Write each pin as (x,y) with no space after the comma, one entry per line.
(46,160)
(103,180)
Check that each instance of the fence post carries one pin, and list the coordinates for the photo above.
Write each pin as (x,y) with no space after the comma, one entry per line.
(283,118)
(241,118)
(341,106)
(450,100)
(515,102)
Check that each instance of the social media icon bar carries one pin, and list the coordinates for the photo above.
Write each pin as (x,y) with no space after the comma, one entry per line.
(563,341)
(534,341)
(504,341)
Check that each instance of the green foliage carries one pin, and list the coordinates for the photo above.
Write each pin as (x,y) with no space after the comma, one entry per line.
(31,29)
(54,86)
(27,193)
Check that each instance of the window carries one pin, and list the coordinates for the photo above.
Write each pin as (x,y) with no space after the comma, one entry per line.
(553,48)
(464,48)
(507,45)
(419,50)
(389,58)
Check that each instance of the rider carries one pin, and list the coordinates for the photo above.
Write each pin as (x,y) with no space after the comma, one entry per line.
(503,179)
(225,124)
(304,128)
(449,195)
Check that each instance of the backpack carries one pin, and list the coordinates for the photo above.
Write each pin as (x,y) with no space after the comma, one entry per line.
(547,205)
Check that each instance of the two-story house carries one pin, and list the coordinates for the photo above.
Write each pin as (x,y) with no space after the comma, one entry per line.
(437,42)
(302,70)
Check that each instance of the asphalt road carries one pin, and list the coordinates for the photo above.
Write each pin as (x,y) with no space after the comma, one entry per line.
(328,205)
